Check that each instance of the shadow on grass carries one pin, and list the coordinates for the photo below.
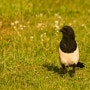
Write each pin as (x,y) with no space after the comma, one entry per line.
(51,67)
(60,71)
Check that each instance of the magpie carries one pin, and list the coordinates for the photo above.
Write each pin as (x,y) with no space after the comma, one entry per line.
(68,49)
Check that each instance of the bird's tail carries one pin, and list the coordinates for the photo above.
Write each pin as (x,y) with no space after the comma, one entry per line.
(79,64)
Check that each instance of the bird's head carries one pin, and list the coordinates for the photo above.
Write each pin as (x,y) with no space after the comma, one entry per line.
(67,32)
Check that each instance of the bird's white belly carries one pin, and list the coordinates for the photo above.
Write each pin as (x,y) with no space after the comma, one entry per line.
(69,58)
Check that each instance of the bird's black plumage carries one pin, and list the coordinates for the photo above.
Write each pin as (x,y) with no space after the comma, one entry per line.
(68,43)
(68,49)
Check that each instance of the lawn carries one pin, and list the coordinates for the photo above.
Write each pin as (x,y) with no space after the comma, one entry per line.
(29,41)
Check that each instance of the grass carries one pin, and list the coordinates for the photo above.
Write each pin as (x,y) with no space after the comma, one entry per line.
(29,39)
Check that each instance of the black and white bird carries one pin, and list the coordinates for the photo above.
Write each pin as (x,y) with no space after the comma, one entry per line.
(68,49)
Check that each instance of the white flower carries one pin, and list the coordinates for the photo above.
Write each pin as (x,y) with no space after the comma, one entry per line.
(42,39)
(57,31)
(56,14)
(16,22)
(20,25)
(83,25)
(56,22)
(31,37)
(41,35)
(12,24)
(70,24)
(39,25)
(15,27)
(41,14)
(45,34)
(56,26)
(59,17)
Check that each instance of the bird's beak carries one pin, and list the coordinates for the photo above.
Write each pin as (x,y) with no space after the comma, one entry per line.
(61,30)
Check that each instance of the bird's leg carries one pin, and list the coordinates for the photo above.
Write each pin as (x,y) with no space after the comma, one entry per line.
(74,68)
(64,68)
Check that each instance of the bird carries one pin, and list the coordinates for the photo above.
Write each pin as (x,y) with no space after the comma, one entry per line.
(68,49)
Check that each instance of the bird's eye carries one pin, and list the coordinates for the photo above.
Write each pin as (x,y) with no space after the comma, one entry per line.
(65,30)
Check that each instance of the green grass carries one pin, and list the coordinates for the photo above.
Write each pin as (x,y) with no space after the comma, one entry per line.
(29,40)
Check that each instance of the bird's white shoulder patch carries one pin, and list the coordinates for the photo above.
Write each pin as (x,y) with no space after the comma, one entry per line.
(69,58)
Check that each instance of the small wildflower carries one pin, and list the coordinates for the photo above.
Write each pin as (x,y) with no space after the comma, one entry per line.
(41,14)
(83,25)
(31,37)
(39,25)
(16,22)
(47,39)
(42,39)
(20,25)
(45,34)
(57,31)
(70,24)
(56,14)
(14,27)
(56,22)
(41,35)
(57,27)
(12,24)
(59,17)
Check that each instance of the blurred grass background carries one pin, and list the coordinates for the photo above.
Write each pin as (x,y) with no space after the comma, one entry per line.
(29,40)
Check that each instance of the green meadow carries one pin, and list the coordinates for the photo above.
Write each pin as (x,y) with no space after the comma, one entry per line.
(29,41)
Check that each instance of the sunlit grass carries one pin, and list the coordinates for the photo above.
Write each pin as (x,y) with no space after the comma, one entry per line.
(29,40)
